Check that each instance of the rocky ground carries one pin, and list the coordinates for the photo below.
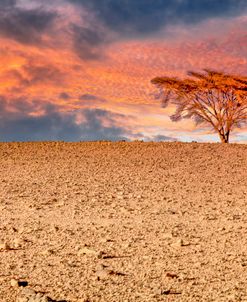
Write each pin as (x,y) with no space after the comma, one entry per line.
(123,222)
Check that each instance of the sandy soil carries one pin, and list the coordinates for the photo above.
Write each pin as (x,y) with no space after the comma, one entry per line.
(123,221)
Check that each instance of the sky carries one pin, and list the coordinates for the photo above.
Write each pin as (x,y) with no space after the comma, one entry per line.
(79,70)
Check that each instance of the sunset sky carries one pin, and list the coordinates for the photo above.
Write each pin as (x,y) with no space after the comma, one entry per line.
(80,69)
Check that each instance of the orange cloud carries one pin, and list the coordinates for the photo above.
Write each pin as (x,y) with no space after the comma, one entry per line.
(122,77)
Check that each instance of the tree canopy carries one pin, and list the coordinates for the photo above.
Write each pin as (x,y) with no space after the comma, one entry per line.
(211,98)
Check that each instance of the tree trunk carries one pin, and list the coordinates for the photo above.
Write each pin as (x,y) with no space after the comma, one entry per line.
(224,137)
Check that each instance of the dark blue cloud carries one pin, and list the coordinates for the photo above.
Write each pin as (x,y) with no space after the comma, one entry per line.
(147,16)
(94,129)
(24,25)
(88,42)
(126,18)
(20,125)
(162,138)
(154,138)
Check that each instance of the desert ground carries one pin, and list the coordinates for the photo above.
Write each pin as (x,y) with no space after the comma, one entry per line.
(119,221)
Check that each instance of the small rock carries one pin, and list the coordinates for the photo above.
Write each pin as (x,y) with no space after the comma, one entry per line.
(100,255)
(86,251)
(4,247)
(167,235)
(47,252)
(18,283)
(61,203)
(102,274)
(17,242)
(77,247)
(171,275)
(178,243)
(27,295)
(103,255)
(170,292)
(30,295)
(14,283)
(127,245)
(105,240)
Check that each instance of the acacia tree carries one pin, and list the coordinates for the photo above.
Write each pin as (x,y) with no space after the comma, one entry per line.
(212,98)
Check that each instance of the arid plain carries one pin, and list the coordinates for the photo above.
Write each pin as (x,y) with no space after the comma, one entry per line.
(104,221)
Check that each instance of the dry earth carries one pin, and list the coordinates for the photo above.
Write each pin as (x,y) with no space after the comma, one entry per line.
(123,221)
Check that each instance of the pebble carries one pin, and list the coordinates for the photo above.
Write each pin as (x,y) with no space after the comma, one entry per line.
(14,283)
(17,242)
(47,252)
(102,274)
(4,247)
(167,235)
(178,243)
(30,295)
(86,251)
